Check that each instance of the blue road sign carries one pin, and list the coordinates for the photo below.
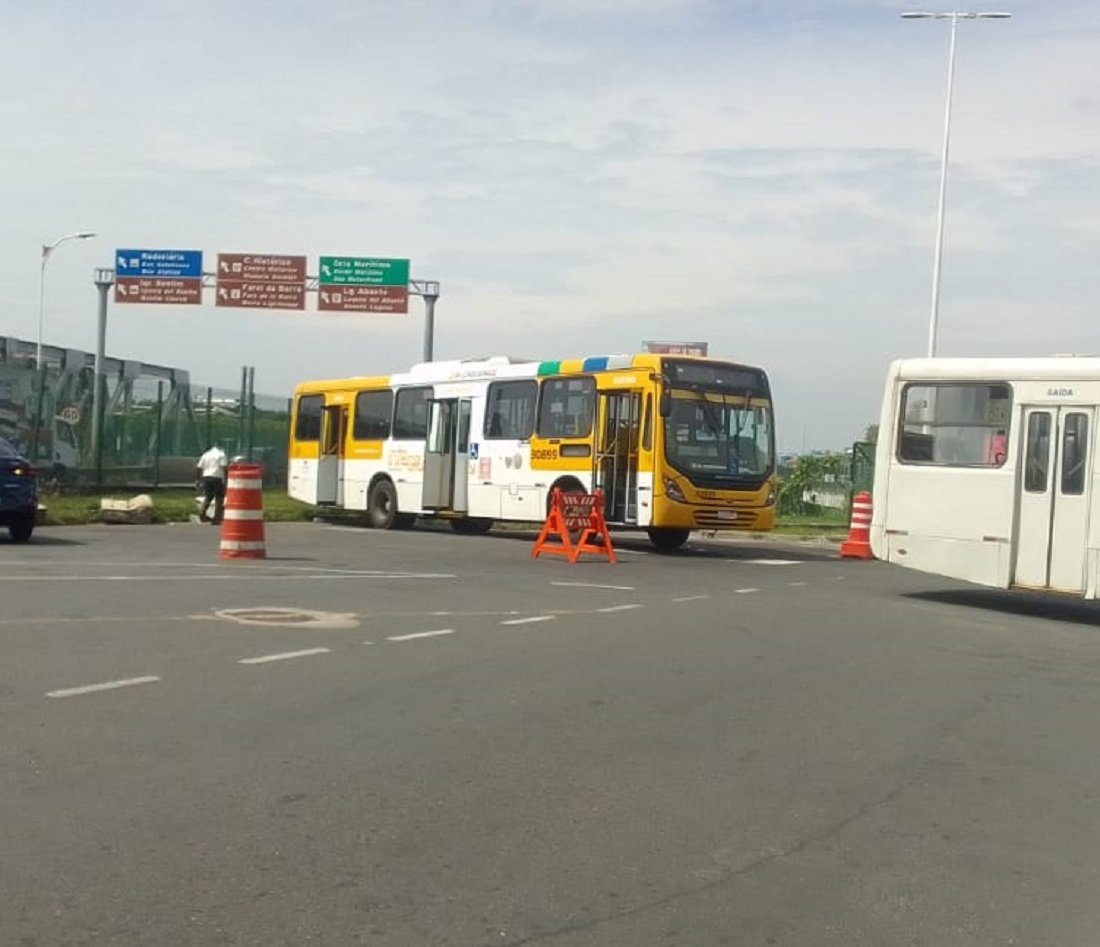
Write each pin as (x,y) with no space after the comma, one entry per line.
(180,264)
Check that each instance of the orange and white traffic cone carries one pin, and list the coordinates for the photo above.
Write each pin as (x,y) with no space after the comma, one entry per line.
(858,543)
(242,534)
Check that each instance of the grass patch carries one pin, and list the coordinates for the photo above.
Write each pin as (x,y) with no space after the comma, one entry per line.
(177,506)
(169,506)
(831,524)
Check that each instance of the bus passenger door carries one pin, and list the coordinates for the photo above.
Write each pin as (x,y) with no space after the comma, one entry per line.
(615,470)
(1055,487)
(446,455)
(330,458)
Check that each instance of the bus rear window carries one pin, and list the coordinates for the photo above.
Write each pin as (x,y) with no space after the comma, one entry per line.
(955,425)
(307,419)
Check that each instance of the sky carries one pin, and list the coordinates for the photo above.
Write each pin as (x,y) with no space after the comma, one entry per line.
(579,175)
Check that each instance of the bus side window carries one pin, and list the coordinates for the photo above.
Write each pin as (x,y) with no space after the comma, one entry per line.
(373,411)
(510,409)
(566,407)
(916,447)
(410,418)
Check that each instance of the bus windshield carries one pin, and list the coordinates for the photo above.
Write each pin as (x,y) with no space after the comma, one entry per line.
(719,438)
(719,429)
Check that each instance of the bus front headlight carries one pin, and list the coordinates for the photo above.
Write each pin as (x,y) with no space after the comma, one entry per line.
(673,491)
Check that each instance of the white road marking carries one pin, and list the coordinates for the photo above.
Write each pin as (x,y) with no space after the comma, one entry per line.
(422,634)
(594,585)
(285,656)
(774,562)
(528,621)
(798,583)
(690,598)
(744,591)
(619,608)
(107,686)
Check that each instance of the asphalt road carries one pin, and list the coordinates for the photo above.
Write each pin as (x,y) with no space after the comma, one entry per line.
(425,739)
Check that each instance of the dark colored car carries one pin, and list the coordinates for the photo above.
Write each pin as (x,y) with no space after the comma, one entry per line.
(18,493)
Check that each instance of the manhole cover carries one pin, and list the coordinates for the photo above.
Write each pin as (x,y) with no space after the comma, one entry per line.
(301,617)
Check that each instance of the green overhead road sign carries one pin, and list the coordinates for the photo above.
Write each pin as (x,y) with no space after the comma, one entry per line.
(363,271)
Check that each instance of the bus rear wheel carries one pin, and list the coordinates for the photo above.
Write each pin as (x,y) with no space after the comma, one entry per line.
(382,505)
(668,538)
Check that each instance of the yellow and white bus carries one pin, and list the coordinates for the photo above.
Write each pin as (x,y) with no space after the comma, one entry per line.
(675,443)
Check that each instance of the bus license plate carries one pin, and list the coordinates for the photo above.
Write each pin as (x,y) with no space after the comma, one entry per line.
(727,514)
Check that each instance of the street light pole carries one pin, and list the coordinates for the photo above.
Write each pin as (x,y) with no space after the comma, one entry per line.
(937,262)
(39,367)
(47,249)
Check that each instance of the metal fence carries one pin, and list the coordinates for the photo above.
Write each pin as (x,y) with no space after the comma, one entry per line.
(863,466)
(155,423)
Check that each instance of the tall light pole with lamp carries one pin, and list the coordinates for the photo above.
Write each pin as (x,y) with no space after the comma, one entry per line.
(954,17)
(47,249)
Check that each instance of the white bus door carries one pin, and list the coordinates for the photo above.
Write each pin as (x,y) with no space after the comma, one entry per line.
(1055,487)
(616,459)
(330,457)
(446,455)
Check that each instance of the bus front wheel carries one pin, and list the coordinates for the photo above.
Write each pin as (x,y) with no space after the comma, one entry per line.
(668,538)
(382,505)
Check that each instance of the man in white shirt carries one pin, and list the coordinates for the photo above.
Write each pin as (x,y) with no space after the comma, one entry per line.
(211,470)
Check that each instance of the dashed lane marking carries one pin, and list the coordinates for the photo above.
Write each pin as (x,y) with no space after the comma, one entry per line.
(422,634)
(527,621)
(744,591)
(774,562)
(284,656)
(690,598)
(594,585)
(105,686)
(619,608)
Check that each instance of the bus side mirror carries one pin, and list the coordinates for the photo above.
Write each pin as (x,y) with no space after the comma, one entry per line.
(664,406)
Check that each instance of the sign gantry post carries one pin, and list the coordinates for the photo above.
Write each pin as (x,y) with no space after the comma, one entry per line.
(104,280)
(428,290)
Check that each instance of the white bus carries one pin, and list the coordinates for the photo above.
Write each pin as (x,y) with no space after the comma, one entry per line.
(985,471)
